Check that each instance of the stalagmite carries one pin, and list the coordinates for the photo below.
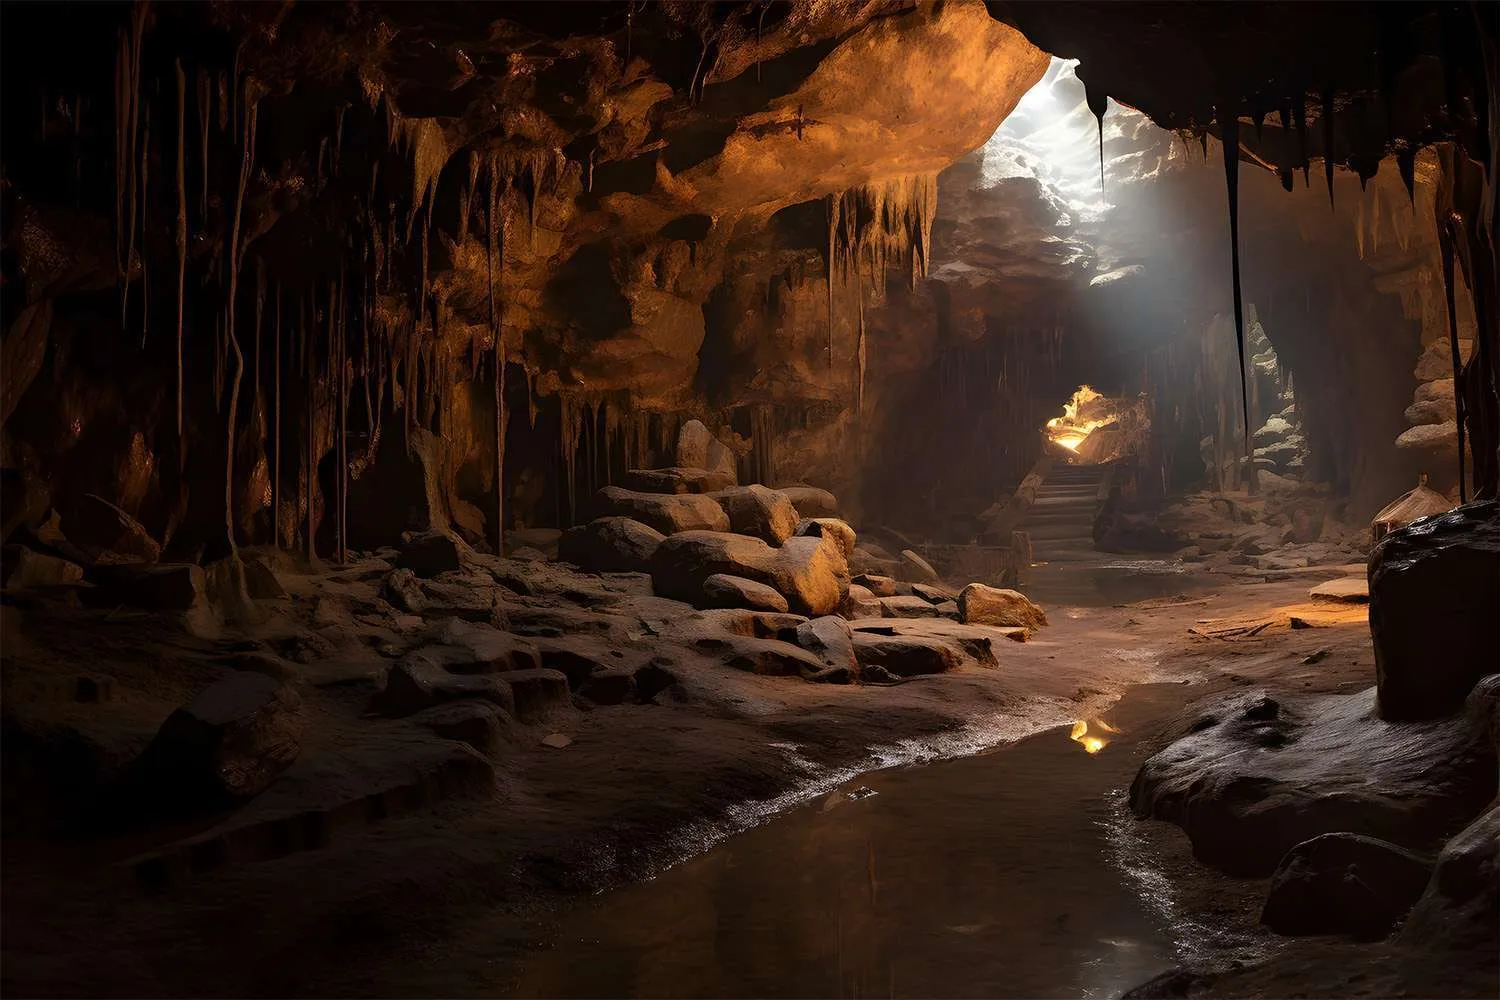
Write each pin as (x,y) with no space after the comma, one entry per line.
(181,241)
(1230,128)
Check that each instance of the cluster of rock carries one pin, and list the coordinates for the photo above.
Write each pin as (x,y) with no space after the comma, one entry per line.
(1280,447)
(1433,414)
(1288,526)
(1344,800)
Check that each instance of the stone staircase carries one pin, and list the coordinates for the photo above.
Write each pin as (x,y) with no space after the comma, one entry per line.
(1060,522)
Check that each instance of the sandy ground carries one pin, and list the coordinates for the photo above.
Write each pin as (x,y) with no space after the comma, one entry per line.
(455,896)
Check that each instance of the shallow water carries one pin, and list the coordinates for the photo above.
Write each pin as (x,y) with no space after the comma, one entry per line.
(1006,874)
(1107,580)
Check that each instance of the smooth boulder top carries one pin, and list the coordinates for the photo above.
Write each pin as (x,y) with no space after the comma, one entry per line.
(755,510)
(668,513)
(982,605)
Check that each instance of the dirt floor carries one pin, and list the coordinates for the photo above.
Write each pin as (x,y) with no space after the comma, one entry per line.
(422,880)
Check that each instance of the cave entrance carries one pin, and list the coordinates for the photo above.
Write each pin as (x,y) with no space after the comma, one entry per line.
(1095,429)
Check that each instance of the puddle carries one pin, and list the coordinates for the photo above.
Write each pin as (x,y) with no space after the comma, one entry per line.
(1000,875)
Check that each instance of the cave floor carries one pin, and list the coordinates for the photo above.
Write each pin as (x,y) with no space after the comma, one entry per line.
(1020,836)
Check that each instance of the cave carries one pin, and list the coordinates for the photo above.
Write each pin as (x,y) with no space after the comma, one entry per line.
(781,497)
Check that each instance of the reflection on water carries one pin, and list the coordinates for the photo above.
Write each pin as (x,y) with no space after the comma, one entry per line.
(989,876)
(1111,581)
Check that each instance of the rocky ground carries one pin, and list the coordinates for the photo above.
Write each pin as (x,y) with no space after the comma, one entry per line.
(275,778)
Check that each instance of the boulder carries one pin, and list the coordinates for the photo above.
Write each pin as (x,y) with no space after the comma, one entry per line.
(160,587)
(697,448)
(1432,411)
(478,723)
(1436,360)
(1343,883)
(973,644)
(811,502)
(1347,589)
(1434,588)
(1429,437)
(677,480)
(538,694)
(759,512)
(915,569)
(880,586)
(905,655)
(429,553)
(1460,907)
(1273,430)
(25,569)
(870,559)
(1253,778)
(829,527)
(830,639)
(981,605)
(724,591)
(933,593)
(418,682)
(910,606)
(474,599)
(402,591)
(861,603)
(808,572)
(1438,390)
(610,545)
(105,534)
(668,513)
(227,744)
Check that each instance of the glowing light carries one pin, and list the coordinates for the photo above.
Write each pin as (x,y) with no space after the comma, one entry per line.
(1072,428)
(1091,743)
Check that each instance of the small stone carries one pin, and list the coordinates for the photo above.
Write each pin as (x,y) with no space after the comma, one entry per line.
(557,741)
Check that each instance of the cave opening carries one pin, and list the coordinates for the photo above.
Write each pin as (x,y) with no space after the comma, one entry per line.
(948,498)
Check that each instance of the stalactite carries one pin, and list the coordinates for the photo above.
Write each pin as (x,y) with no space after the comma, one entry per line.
(1406,165)
(181,243)
(1230,129)
(1328,158)
(859,350)
(236,251)
(205,111)
(833,220)
(276,412)
(497,335)
(1098,102)
(1445,248)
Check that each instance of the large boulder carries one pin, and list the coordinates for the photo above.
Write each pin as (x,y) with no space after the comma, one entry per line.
(811,502)
(809,572)
(973,645)
(677,480)
(829,527)
(905,655)
(1460,908)
(915,569)
(754,510)
(830,639)
(910,606)
(724,591)
(1253,778)
(1434,591)
(610,545)
(697,448)
(105,534)
(668,513)
(1343,883)
(228,743)
(981,605)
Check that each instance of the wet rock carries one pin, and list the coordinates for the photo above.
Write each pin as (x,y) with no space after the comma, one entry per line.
(770,657)
(539,694)
(981,605)
(915,569)
(1434,588)
(724,591)
(759,512)
(610,545)
(668,513)
(811,502)
(677,480)
(228,743)
(830,639)
(1343,883)
(829,527)
(25,569)
(105,534)
(418,682)
(1460,907)
(1255,777)
(478,723)
(162,587)
(402,591)
(904,655)
(880,586)
(973,644)
(697,448)
(429,553)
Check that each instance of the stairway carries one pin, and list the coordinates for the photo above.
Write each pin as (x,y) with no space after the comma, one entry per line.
(1061,521)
